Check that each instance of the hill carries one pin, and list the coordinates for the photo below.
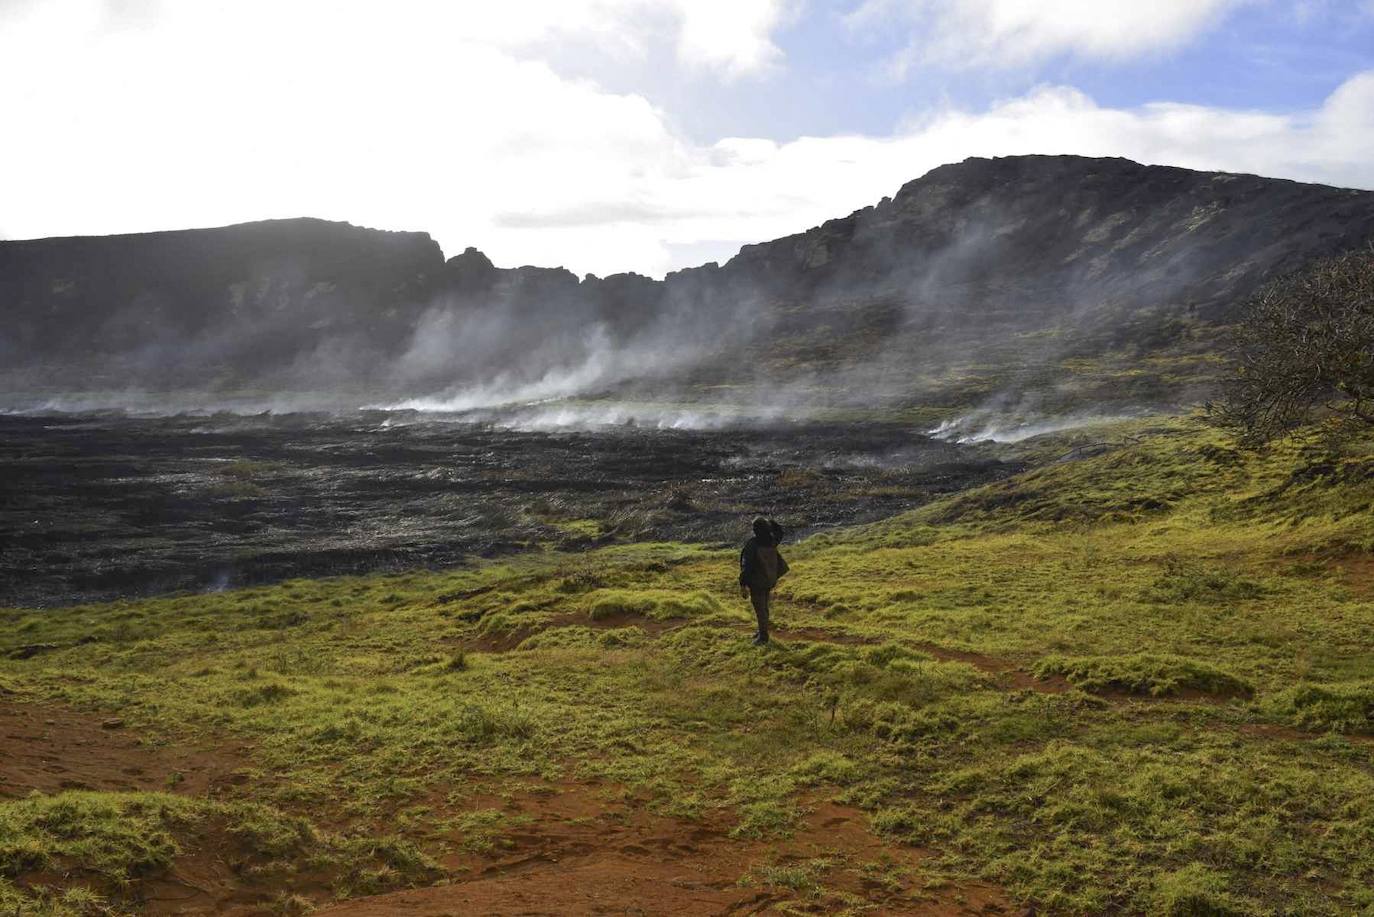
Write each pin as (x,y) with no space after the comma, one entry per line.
(1050,274)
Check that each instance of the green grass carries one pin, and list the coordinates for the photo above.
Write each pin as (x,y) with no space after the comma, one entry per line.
(483,830)
(1143,673)
(103,843)
(659,604)
(1213,609)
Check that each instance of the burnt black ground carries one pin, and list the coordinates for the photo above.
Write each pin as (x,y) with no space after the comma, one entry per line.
(104,506)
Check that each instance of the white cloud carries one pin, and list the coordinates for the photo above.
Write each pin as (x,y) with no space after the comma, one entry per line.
(136,116)
(196,115)
(730,37)
(1015,33)
(753,190)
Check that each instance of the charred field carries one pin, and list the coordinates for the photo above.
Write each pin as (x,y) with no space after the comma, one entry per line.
(112,506)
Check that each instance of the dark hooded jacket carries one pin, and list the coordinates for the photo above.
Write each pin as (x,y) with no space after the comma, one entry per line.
(760,564)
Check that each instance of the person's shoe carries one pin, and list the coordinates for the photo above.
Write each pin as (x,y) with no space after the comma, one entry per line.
(760,639)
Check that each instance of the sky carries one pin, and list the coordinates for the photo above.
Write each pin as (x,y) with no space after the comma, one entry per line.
(639,135)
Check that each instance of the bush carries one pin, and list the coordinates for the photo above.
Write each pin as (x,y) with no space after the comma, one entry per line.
(1304,344)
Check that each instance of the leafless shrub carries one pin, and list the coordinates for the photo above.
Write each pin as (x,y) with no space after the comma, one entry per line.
(1304,348)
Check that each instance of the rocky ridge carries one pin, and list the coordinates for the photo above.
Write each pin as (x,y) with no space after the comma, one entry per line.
(963,259)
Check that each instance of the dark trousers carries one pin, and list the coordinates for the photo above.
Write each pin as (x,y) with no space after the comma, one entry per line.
(760,599)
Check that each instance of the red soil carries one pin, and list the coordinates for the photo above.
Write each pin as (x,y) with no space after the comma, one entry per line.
(590,850)
(50,749)
(570,849)
(1359,573)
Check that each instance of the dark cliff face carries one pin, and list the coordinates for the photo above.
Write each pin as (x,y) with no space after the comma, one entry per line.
(1058,232)
(192,306)
(966,257)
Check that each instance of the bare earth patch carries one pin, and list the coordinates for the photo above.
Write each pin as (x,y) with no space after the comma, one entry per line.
(50,748)
(569,848)
(589,850)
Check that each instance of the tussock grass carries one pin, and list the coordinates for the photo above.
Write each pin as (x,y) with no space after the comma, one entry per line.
(1195,891)
(1341,707)
(107,841)
(658,604)
(1144,673)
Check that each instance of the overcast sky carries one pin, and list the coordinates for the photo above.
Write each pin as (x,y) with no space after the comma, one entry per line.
(646,135)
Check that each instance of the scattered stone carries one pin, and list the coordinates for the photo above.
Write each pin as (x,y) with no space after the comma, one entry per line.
(112,723)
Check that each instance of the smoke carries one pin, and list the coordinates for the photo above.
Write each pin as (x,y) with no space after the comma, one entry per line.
(595,363)
(560,416)
(534,337)
(982,427)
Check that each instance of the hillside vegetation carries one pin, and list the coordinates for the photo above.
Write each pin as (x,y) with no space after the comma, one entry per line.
(1140,682)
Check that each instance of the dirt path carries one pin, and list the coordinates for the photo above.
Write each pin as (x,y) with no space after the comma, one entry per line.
(591,851)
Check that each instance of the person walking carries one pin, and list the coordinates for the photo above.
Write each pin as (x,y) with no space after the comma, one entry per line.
(760,568)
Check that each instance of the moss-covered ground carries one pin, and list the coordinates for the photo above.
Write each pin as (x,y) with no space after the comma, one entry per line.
(1139,682)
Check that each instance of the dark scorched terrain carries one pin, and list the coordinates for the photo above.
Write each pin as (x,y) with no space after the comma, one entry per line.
(100,506)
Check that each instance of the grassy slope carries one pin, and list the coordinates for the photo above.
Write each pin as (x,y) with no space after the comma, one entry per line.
(1213,608)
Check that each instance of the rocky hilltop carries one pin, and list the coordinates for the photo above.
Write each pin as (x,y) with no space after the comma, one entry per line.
(1064,231)
(984,260)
